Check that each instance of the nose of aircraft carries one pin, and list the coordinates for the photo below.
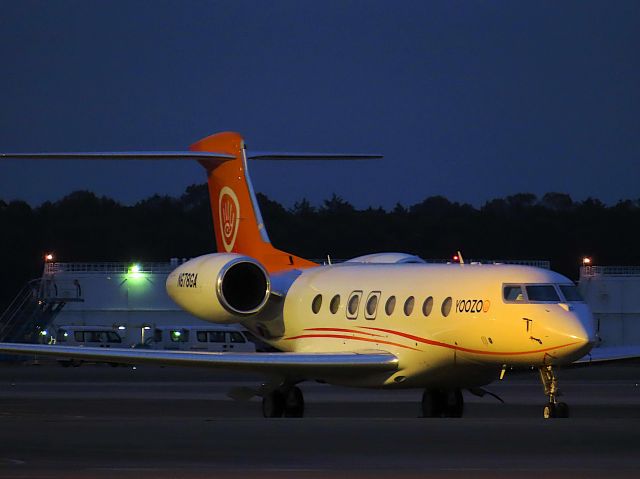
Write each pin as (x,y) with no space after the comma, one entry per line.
(578,330)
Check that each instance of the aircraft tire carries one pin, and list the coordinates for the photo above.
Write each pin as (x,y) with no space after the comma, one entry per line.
(454,403)
(294,403)
(432,403)
(562,410)
(273,404)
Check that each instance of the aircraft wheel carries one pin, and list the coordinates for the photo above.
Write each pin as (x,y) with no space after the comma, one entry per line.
(432,403)
(273,404)
(549,411)
(562,409)
(294,403)
(454,403)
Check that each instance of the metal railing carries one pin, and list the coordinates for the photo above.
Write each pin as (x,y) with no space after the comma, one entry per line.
(35,306)
(523,262)
(124,268)
(111,267)
(589,271)
(25,299)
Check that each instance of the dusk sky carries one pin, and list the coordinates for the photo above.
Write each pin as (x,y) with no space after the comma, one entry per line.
(470,100)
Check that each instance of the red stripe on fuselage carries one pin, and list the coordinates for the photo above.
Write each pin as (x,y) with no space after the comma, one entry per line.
(343,330)
(466,350)
(354,338)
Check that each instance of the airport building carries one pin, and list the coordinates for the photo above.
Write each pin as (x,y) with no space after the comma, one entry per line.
(129,298)
(613,293)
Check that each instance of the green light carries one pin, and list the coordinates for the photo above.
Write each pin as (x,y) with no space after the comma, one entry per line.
(135,271)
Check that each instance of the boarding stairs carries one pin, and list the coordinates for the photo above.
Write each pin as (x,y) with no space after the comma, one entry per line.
(34,308)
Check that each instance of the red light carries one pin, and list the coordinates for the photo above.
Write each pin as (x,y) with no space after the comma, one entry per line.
(456,257)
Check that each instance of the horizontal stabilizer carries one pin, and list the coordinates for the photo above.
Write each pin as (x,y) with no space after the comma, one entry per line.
(309,156)
(182,155)
(312,365)
(122,155)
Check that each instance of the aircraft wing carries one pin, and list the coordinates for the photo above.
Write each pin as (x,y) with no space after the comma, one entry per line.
(612,353)
(305,364)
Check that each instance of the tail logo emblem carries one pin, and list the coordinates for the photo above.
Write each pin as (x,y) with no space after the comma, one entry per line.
(229,214)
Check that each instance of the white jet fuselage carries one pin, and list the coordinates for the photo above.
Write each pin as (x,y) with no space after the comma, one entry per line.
(446,324)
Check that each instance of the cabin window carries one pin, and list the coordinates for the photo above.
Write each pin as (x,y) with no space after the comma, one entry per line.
(571,293)
(93,336)
(78,336)
(201,336)
(446,307)
(157,335)
(543,293)
(390,306)
(217,337)
(513,293)
(62,336)
(408,305)
(427,306)
(316,304)
(372,305)
(335,304)
(353,304)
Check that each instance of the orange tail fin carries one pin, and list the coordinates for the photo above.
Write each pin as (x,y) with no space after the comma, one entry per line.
(236,216)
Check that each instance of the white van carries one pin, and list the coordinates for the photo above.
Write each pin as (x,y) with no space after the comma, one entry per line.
(90,336)
(95,336)
(201,338)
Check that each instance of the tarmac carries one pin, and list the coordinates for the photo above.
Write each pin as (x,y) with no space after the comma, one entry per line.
(97,421)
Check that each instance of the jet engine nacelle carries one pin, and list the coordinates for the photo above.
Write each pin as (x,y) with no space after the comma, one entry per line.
(220,287)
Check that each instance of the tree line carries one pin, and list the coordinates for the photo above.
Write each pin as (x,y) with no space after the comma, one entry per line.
(85,227)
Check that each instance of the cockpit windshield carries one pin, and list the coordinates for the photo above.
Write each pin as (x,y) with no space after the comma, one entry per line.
(543,293)
(513,293)
(571,293)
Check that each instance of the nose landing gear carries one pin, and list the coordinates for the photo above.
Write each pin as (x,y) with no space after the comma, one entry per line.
(550,384)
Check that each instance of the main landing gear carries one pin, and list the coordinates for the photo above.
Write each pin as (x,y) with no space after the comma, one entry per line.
(440,403)
(550,384)
(283,401)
